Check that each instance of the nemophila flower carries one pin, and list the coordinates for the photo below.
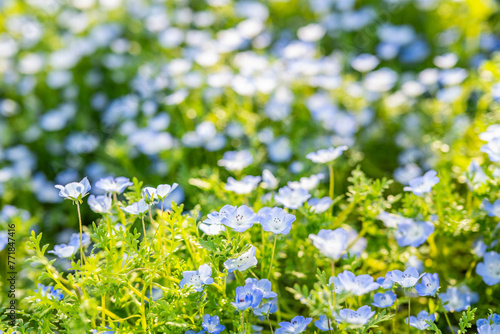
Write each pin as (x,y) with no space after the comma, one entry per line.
(493,209)
(493,319)
(236,161)
(245,186)
(263,285)
(212,324)
(157,294)
(413,233)
(323,324)
(95,331)
(242,262)
(75,190)
(99,204)
(213,224)
(4,239)
(307,183)
(384,282)
(419,321)
(190,331)
(137,208)
(429,285)
(49,292)
(384,300)
(492,148)
(357,244)
(356,285)
(455,300)
(326,155)
(356,318)
(390,219)
(292,198)
(406,279)
(239,218)
(158,193)
(492,132)
(297,325)
(266,307)
(331,243)
(75,240)
(247,297)
(414,261)
(489,269)
(488,329)
(269,181)
(275,220)
(423,184)
(113,185)
(320,205)
(197,279)
(478,247)
(475,175)
(64,251)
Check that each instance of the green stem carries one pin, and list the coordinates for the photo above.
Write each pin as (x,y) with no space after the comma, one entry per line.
(81,234)
(446,316)
(272,256)
(409,306)
(332,180)
(270,325)
(243,322)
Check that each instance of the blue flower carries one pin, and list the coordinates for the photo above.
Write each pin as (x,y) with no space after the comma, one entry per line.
(320,205)
(423,184)
(307,183)
(384,282)
(297,325)
(356,318)
(493,319)
(100,204)
(492,148)
(263,285)
(455,300)
(75,240)
(236,161)
(266,307)
(478,247)
(323,324)
(413,233)
(247,297)
(113,185)
(49,292)
(159,193)
(95,331)
(239,218)
(326,155)
(74,190)
(493,209)
(383,300)
(493,131)
(213,224)
(275,220)
(197,279)
(4,239)
(419,321)
(269,181)
(406,279)
(245,186)
(488,329)
(292,198)
(429,285)
(489,270)
(356,285)
(137,208)
(64,251)
(242,262)
(330,243)
(212,324)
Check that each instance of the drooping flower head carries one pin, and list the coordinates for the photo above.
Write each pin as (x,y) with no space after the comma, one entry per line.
(356,318)
(423,184)
(406,279)
(429,285)
(297,325)
(331,243)
(292,198)
(65,251)
(275,220)
(419,321)
(242,262)
(113,185)
(197,279)
(75,190)
(212,324)
(326,155)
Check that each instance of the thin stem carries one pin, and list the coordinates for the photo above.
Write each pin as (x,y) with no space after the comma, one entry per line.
(332,180)
(272,256)
(145,238)
(394,319)
(333,288)
(409,306)
(446,316)
(81,233)
(243,322)
(270,325)
(103,305)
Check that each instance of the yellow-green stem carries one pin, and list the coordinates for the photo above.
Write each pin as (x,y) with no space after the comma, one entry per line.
(81,234)
(272,256)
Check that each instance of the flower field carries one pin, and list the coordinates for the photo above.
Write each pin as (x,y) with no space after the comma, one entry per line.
(249,166)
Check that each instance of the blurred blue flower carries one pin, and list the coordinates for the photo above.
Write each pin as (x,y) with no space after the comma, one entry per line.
(74,190)
(492,148)
(419,321)
(4,239)
(159,193)
(236,161)
(64,251)
(356,318)
(489,269)
(49,292)
(490,325)
(455,300)
(331,243)
(384,282)
(488,329)
(197,279)
(365,62)
(413,233)
(493,209)
(95,331)
(324,324)
(242,262)
(385,299)
(275,220)
(292,198)
(212,324)
(269,181)
(423,184)
(429,285)
(280,149)
(113,185)
(307,183)
(326,155)
(356,285)
(297,325)
(137,208)
(239,218)
(100,204)
(266,307)
(247,297)
(320,205)
(406,279)
(245,186)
